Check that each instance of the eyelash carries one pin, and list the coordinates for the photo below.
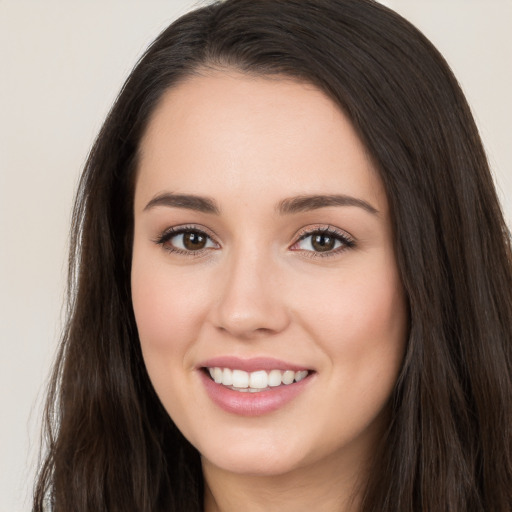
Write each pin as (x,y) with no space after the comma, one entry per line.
(347,242)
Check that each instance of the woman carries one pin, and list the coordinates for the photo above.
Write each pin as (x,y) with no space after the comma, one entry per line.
(290,278)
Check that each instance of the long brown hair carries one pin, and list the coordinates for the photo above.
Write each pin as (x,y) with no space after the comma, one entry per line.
(110,444)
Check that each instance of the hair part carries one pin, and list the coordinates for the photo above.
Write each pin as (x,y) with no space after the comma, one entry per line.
(111,444)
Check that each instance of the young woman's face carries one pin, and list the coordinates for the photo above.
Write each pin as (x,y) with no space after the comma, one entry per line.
(263,255)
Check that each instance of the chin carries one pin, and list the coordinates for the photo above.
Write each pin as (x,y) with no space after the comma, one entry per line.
(255,458)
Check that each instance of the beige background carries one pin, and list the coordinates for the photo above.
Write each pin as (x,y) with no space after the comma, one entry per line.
(61,65)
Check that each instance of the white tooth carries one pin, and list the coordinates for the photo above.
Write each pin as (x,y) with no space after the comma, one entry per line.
(253,390)
(211,372)
(288,376)
(227,377)
(258,380)
(300,375)
(240,379)
(274,378)
(217,375)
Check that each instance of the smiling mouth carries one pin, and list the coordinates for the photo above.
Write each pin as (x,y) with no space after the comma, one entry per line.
(254,382)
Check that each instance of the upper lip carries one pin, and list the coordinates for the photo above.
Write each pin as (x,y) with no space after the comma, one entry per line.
(251,364)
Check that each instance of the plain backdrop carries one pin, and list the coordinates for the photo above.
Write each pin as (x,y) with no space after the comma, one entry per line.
(61,66)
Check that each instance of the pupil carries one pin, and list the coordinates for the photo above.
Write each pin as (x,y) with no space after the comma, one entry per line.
(323,243)
(194,241)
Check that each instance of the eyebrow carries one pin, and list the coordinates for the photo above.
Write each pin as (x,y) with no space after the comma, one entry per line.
(187,201)
(285,207)
(314,202)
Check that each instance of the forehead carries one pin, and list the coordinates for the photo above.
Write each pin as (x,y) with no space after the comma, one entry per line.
(255,137)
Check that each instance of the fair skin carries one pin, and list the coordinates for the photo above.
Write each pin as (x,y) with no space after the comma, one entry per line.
(255,275)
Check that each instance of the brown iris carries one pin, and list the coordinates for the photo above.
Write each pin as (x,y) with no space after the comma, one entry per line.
(194,241)
(323,242)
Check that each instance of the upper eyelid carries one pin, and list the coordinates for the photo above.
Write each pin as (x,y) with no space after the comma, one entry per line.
(301,232)
(324,228)
(176,230)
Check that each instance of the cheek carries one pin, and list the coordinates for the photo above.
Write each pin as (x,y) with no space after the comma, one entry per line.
(168,307)
(364,327)
(363,332)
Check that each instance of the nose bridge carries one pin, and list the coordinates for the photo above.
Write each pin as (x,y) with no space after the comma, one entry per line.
(250,302)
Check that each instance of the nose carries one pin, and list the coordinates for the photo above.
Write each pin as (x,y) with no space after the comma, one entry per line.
(252,299)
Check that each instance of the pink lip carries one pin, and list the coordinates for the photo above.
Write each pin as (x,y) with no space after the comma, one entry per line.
(251,404)
(250,365)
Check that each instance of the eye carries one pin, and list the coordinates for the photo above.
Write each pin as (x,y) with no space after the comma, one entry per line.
(323,242)
(186,240)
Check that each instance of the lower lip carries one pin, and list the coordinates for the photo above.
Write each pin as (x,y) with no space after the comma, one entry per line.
(252,404)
